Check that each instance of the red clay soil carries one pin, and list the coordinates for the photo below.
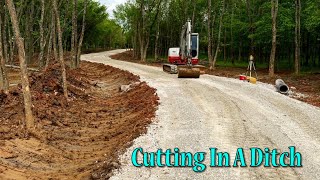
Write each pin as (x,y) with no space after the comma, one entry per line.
(307,84)
(125,56)
(78,138)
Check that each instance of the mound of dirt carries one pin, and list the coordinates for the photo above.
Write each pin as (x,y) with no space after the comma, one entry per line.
(80,138)
(129,57)
(125,56)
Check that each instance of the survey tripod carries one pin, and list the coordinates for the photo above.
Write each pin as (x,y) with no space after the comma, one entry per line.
(251,67)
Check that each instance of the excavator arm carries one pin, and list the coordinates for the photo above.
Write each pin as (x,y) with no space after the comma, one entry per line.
(187,71)
(185,42)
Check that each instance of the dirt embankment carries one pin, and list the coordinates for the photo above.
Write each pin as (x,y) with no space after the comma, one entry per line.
(128,56)
(80,137)
(306,87)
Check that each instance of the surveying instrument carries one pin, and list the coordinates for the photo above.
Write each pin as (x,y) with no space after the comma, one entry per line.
(251,67)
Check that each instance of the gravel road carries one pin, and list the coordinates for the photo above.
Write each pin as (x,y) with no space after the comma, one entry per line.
(197,114)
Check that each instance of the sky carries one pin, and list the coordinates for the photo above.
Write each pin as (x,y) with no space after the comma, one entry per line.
(111,5)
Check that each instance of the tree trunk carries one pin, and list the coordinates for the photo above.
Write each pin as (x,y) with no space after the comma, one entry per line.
(29,36)
(251,28)
(3,75)
(42,44)
(307,51)
(274,13)
(231,35)
(74,36)
(194,11)
(297,38)
(82,31)
(219,36)
(4,32)
(23,67)
(11,41)
(209,33)
(63,69)
(54,37)
(145,50)
(50,44)
(156,41)
(143,34)
(224,46)
(240,52)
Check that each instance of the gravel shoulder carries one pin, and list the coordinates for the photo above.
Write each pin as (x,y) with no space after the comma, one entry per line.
(197,114)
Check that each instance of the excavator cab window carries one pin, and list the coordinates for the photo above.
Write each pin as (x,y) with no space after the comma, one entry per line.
(194,45)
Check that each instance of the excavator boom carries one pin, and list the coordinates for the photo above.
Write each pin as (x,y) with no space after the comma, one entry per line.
(187,71)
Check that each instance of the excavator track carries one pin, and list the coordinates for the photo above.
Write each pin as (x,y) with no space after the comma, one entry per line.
(184,71)
(170,68)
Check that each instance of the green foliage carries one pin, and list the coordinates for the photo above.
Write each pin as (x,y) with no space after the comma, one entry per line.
(238,31)
(101,31)
(312,16)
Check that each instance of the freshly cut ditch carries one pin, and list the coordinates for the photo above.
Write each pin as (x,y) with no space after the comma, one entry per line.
(79,138)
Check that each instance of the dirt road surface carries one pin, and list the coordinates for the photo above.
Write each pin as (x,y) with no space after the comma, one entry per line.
(197,114)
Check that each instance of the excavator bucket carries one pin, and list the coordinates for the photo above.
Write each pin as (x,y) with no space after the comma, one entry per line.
(188,72)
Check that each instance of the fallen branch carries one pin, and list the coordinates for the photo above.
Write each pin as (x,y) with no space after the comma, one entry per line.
(18,67)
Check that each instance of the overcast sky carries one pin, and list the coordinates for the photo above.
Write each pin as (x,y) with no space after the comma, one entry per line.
(111,4)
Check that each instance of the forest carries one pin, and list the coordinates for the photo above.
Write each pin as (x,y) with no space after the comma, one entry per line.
(36,20)
(37,33)
(282,35)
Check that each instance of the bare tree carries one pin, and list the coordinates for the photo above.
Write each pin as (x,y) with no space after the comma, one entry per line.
(209,33)
(297,37)
(42,43)
(54,37)
(143,35)
(4,31)
(274,14)
(251,25)
(3,70)
(28,40)
(63,69)
(219,36)
(156,44)
(231,33)
(74,36)
(11,40)
(51,31)
(23,67)
(82,32)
